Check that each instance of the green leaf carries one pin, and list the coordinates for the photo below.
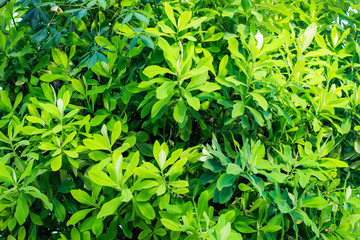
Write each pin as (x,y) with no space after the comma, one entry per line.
(238,109)
(116,132)
(162,159)
(180,111)
(145,173)
(3,138)
(357,145)
(203,203)
(346,126)
(2,40)
(60,58)
(260,100)
(109,208)
(354,201)
(225,231)
(225,180)
(102,3)
(77,85)
(271,228)
(319,53)
(152,71)
(101,178)
(59,210)
(243,187)
(184,19)
(96,144)
(243,227)
(233,169)
(27,171)
(159,105)
(81,197)
(194,102)
(142,18)
(169,52)
(171,225)
(56,163)
(234,48)
(22,209)
(170,13)
(147,41)
(97,227)
(308,36)
(316,202)
(146,209)
(79,215)
(165,90)
(258,118)
(194,72)
(52,77)
(75,234)
(209,87)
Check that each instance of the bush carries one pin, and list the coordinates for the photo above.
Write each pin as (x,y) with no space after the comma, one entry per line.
(196,119)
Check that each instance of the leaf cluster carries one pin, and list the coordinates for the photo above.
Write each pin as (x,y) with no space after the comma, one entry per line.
(189,119)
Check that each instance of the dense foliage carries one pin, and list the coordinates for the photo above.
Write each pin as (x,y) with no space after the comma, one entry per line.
(188,119)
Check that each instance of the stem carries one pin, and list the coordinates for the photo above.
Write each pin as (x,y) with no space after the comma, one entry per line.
(99,20)
(157,10)
(12,17)
(198,220)
(18,162)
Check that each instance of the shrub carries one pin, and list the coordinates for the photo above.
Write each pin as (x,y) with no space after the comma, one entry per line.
(196,119)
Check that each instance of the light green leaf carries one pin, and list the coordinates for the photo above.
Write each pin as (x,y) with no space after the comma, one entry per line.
(238,109)
(165,89)
(162,159)
(316,202)
(258,118)
(154,70)
(194,72)
(102,3)
(319,53)
(22,209)
(271,228)
(110,207)
(308,36)
(194,102)
(184,19)
(60,58)
(243,227)
(100,143)
(180,111)
(146,209)
(233,169)
(56,163)
(116,132)
(169,52)
(170,13)
(260,100)
(81,196)
(79,215)
(171,225)
(101,178)
(209,87)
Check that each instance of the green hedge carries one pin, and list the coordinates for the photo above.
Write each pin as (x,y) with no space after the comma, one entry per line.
(191,119)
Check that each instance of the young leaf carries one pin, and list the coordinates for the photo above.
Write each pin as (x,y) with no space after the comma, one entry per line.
(109,208)
(170,13)
(308,36)
(22,209)
(116,132)
(180,111)
(152,71)
(101,178)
